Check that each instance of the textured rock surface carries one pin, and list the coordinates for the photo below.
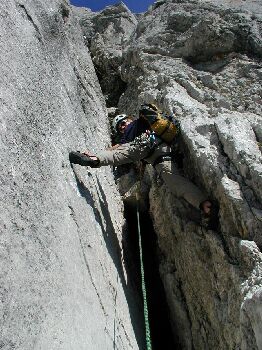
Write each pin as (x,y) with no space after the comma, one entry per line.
(63,281)
(202,60)
(196,32)
(192,59)
(63,285)
(106,33)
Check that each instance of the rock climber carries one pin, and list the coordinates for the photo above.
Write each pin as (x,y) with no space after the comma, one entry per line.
(137,142)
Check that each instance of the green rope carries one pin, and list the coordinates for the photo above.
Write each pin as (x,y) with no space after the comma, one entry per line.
(148,337)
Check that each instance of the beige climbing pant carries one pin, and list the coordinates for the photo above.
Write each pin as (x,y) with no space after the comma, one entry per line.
(141,148)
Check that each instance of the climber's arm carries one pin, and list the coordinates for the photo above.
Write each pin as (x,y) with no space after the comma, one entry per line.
(113,147)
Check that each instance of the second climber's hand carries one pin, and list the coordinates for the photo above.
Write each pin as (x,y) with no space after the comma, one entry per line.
(89,154)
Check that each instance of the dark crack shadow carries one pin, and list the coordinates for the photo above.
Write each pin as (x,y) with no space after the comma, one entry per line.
(25,12)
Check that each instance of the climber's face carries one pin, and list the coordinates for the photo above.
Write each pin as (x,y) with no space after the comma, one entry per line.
(123,125)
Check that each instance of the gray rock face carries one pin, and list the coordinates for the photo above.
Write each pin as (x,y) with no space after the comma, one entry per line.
(63,283)
(106,33)
(202,60)
(198,33)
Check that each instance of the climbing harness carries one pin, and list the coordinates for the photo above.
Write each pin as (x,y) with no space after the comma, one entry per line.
(163,158)
(147,326)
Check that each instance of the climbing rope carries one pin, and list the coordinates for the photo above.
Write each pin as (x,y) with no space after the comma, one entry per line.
(147,326)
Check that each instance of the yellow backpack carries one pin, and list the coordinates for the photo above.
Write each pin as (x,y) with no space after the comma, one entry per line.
(166,127)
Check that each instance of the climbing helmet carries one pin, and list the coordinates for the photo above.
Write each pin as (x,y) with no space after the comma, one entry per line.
(119,118)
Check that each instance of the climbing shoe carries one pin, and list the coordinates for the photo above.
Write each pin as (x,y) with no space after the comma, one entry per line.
(83,159)
(210,220)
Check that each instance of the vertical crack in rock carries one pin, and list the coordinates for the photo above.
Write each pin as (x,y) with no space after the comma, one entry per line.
(258,134)
(56,289)
(30,19)
(155,64)
(65,12)
(86,262)
(97,200)
(250,197)
(160,327)
(199,59)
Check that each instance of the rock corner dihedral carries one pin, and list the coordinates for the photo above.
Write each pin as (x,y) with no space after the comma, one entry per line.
(64,278)
(201,61)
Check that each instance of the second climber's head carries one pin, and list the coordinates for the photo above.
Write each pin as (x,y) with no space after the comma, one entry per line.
(120,122)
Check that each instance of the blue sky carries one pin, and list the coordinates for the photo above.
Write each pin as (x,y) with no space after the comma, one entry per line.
(135,6)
